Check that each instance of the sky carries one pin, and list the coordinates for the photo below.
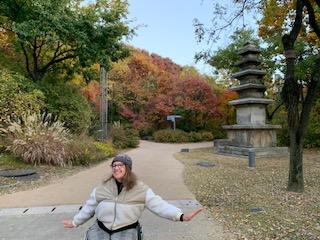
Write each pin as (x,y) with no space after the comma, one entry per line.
(168,29)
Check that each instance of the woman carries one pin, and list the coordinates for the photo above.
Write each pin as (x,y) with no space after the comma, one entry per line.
(118,204)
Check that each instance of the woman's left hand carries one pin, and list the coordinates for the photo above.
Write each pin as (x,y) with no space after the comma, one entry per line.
(189,216)
(68,223)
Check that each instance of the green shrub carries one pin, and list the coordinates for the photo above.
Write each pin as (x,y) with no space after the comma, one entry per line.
(124,137)
(38,139)
(9,161)
(169,135)
(214,126)
(312,138)
(194,137)
(283,137)
(178,136)
(146,132)
(66,102)
(106,148)
(206,136)
(18,95)
(90,152)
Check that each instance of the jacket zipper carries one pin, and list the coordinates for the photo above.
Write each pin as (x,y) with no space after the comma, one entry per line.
(115,212)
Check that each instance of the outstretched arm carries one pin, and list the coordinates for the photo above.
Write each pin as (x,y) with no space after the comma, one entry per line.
(86,212)
(162,208)
(188,216)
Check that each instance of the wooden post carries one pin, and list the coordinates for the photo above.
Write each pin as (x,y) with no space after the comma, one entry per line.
(103,102)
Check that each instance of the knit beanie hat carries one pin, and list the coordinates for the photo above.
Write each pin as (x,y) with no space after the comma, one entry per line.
(125,159)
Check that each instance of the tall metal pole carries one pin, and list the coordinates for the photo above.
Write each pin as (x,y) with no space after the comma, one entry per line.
(103,102)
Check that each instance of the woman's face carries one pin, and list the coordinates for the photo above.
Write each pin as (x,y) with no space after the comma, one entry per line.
(118,170)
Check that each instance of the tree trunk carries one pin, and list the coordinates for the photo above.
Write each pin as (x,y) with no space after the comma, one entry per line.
(291,88)
(291,95)
(295,182)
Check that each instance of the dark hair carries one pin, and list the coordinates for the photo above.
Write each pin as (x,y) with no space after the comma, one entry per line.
(129,179)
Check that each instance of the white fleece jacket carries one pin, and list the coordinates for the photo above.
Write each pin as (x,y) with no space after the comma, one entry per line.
(117,211)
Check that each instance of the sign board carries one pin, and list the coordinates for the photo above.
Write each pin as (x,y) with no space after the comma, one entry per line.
(173,117)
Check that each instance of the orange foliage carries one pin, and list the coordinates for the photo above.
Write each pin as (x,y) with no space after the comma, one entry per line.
(145,88)
(92,93)
(224,107)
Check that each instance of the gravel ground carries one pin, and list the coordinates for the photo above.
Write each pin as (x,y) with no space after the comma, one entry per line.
(254,204)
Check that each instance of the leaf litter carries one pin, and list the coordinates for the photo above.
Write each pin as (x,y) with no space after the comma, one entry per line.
(230,191)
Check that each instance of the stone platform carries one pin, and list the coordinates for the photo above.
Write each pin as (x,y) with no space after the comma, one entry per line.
(244,151)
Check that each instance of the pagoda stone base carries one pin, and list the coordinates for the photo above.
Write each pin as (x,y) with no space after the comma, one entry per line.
(221,147)
(252,136)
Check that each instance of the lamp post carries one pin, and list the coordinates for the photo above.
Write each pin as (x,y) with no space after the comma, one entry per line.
(103,102)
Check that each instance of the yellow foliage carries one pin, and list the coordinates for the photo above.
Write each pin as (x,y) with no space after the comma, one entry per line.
(119,71)
(78,79)
(313,38)
(6,45)
(95,67)
(278,17)
(274,15)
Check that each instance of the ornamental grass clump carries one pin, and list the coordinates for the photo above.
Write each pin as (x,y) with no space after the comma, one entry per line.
(39,139)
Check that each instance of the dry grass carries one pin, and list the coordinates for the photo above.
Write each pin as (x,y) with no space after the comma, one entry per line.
(231,191)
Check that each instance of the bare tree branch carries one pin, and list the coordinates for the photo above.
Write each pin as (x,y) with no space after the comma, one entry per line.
(34,55)
(270,115)
(296,25)
(54,61)
(26,58)
(312,17)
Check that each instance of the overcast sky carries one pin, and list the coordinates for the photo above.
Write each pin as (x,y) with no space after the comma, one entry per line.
(168,28)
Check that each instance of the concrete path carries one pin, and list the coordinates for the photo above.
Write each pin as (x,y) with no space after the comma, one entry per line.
(37,214)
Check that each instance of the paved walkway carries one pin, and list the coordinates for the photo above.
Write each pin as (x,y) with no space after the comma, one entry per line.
(37,214)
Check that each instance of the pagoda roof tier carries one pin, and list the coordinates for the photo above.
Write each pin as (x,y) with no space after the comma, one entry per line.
(249,72)
(248,86)
(248,59)
(249,48)
(243,101)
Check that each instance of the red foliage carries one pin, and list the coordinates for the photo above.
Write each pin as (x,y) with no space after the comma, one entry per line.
(92,93)
(153,87)
(127,113)
(195,94)
(226,112)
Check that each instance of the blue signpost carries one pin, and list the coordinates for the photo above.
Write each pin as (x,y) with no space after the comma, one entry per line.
(172,118)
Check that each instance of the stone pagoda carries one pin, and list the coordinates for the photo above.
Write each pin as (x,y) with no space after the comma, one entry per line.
(251,131)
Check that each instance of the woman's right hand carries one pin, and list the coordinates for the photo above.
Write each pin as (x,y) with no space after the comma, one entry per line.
(189,216)
(68,223)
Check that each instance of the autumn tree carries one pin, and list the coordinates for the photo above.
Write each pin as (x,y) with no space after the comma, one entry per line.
(196,101)
(293,28)
(145,88)
(50,32)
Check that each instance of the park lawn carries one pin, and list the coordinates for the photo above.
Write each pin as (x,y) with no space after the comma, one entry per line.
(254,204)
